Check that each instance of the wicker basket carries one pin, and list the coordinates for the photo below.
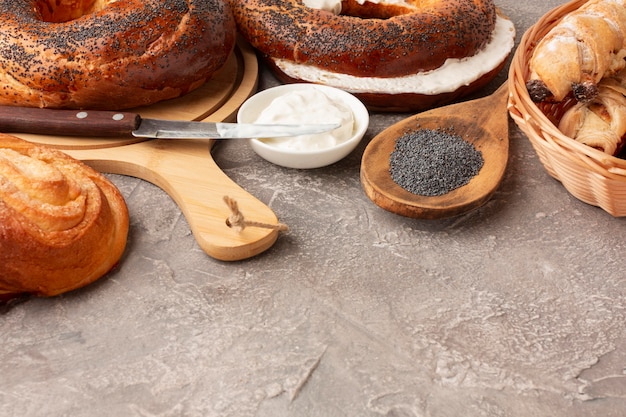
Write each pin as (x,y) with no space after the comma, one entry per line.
(590,175)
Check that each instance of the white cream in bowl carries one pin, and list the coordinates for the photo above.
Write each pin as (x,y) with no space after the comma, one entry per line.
(306,104)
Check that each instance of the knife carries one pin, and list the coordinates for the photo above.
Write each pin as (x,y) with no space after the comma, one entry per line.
(101,123)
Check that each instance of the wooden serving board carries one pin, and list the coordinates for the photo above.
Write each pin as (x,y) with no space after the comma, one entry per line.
(185,169)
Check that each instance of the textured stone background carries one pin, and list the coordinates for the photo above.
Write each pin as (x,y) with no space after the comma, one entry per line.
(516,309)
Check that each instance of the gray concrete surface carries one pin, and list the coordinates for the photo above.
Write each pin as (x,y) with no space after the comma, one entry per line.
(513,310)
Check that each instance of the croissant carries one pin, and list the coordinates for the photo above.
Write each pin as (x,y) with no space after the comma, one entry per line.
(601,122)
(63,225)
(585,46)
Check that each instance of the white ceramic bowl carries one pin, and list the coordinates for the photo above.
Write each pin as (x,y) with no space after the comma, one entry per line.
(304,159)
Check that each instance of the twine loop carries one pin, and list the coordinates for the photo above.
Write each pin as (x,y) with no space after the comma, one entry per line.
(237,220)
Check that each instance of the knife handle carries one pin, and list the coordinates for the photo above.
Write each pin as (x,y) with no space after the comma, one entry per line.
(67,122)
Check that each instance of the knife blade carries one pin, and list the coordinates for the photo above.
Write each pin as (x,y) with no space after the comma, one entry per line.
(117,124)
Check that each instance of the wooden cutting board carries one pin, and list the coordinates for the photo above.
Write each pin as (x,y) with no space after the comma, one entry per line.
(185,169)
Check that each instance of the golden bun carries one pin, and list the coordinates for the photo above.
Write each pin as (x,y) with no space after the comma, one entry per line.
(63,225)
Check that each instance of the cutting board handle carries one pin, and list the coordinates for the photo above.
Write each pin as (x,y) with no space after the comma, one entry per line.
(185,170)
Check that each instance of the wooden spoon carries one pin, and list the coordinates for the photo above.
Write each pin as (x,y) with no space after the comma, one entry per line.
(482,122)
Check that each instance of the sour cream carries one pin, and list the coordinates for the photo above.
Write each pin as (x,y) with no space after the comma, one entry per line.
(334,6)
(309,106)
(381,1)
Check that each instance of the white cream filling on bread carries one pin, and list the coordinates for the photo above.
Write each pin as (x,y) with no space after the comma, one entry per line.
(452,75)
(334,6)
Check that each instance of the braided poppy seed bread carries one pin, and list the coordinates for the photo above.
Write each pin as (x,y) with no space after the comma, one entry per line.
(371,48)
(63,225)
(106,54)
(412,38)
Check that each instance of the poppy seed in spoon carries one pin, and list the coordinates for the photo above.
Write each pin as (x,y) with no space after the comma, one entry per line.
(431,162)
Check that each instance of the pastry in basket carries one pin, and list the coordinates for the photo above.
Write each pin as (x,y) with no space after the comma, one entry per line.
(63,225)
(600,123)
(587,45)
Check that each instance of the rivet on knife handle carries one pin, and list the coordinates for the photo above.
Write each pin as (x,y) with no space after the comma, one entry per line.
(67,122)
